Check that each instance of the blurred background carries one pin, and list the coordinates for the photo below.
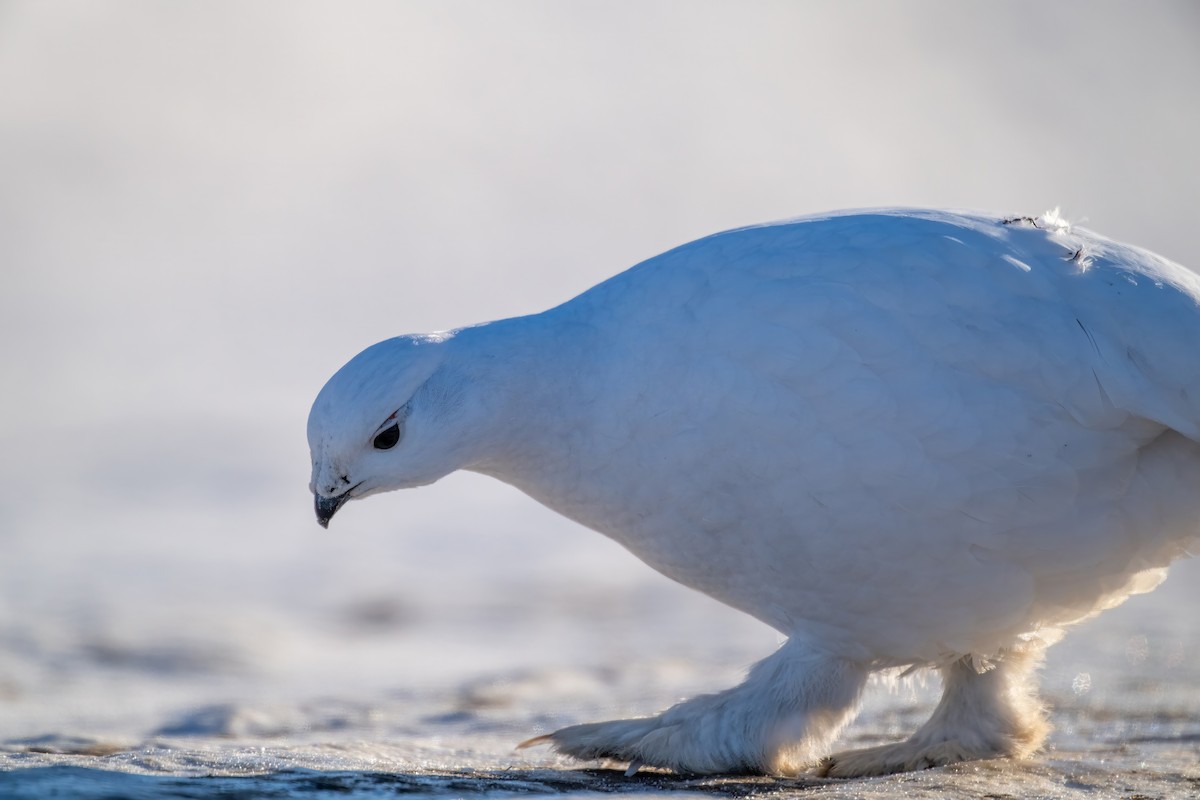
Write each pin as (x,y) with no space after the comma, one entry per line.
(206,208)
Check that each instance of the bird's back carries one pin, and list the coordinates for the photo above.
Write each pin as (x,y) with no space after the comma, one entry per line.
(1025,301)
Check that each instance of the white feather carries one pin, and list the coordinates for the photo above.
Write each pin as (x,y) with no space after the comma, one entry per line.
(899,437)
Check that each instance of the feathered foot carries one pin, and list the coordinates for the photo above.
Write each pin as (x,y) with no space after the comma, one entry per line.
(778,721)
(987,714)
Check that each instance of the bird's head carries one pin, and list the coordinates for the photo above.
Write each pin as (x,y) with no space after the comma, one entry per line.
(381,422)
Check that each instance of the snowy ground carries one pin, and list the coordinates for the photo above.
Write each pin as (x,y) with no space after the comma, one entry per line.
(207,207)
(148,719)
(397,668)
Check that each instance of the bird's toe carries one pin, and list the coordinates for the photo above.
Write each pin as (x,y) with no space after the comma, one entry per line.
(887,759)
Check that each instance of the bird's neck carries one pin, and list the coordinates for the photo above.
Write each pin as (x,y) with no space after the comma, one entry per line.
(526,377)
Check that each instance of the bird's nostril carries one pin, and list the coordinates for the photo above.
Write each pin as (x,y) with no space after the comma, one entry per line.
(345,478)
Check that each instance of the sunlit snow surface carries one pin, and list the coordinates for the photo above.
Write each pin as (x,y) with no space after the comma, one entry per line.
(356,683)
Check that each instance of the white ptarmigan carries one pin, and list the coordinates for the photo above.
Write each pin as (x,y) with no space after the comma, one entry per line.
(899,437)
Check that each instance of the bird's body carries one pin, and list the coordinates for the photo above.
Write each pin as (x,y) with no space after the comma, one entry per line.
(898,437)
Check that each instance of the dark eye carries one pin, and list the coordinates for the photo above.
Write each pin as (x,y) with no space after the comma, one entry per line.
(387,438)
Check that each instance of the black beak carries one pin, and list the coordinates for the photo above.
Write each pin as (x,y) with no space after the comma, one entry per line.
(328,506)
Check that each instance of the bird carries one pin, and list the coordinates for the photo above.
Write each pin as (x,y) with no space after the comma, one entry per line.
(906,439)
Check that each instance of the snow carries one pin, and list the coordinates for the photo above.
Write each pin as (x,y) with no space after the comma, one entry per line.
(187,195)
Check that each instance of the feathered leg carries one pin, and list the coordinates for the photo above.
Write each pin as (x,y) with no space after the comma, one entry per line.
(982,714)
(779,721)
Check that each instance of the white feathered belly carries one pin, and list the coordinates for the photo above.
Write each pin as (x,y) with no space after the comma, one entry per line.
(953,569)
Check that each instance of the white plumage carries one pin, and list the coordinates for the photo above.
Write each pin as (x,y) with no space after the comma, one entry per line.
(899,437)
